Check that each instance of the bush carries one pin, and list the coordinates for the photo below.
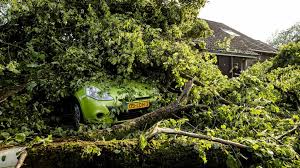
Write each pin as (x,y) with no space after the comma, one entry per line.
(289,54)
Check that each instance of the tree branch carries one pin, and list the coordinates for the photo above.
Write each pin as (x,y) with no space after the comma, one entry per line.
(158,130)
(288,132)
(185,93)
(198,83)
(21,159)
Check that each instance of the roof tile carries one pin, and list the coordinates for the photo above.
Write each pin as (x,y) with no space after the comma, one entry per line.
(240,43)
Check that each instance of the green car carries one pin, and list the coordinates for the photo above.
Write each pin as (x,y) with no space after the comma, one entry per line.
(103,102)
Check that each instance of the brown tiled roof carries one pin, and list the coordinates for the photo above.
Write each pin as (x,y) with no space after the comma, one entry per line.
(241,43)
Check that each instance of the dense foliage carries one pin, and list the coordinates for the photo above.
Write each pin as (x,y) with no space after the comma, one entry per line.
(288,55)
(52,47)
(264,107)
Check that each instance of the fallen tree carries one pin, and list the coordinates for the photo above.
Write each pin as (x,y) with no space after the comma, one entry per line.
(129,153)
(63,45)
(60,45)
(125,153)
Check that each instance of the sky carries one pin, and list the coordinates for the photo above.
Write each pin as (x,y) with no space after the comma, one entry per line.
(258,19)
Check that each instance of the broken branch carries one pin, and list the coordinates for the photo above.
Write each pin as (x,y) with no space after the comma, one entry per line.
(198,83)
(185,93)
(158,130)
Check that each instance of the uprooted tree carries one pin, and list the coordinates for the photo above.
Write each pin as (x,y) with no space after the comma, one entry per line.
(50,48)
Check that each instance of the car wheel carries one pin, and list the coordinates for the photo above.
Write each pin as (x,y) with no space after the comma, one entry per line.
(76,115)
(73,115)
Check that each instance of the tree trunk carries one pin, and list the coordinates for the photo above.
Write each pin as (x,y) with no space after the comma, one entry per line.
(125,153)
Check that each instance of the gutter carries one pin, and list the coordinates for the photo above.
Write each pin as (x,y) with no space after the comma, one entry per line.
(263,51)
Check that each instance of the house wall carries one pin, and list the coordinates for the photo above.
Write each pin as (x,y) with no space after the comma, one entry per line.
(227,63)
(265,56)
(251,62)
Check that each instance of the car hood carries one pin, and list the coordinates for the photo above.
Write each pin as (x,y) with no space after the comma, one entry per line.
(126,90)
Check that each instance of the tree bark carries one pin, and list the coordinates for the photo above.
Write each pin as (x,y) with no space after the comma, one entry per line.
(122,153)
(198,83)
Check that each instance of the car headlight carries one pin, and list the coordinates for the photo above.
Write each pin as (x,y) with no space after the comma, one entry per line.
(106,96)
(93,92)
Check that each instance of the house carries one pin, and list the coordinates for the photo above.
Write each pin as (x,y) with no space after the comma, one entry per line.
(235,51)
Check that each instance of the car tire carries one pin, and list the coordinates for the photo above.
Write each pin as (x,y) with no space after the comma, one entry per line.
(76,115)
(73,113)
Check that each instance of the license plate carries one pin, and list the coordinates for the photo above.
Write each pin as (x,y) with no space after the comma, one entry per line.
(138,105)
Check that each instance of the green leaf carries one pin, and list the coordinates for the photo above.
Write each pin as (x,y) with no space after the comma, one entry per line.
(255,111)
(255,146)
(202,155)
(31,85)
(12,66)
(223,126)
(20,137)
(143,142)
(5,135)
(2,68)
(48,139)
